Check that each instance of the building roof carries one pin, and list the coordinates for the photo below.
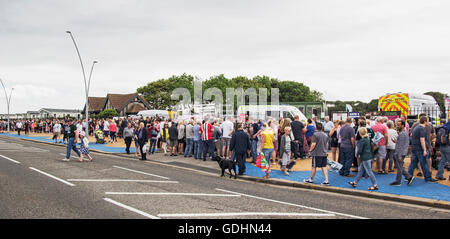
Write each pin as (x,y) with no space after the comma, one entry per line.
(96,103)
(135,109)
(59,110)
(119,101)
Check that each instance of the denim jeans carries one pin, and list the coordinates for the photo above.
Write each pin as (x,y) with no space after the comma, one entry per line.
(254,150)
(208,147)
(189,147)
(71,145)
(445,157)
(366,166)
(347,155)
(197,149)
(417,157)
(152,146)
(268,154)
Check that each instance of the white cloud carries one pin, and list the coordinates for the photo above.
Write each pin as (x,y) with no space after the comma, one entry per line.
(349,50)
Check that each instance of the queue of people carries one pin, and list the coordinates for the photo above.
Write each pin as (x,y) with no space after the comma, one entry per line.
(358,143)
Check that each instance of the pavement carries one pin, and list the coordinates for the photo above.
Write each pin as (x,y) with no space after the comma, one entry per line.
(36,183)
(419,192)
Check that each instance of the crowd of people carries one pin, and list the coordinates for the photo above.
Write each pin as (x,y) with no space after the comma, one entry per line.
(355,143)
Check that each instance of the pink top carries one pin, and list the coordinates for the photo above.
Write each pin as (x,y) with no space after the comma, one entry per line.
(112,128)
(378,127)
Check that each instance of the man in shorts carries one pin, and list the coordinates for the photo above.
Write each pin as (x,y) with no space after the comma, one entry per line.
(56,131)
(227,131)
(319,146)
(381,154)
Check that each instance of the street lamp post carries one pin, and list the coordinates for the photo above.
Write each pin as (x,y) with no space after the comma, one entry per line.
(90,75)
(86,84)
(8,100)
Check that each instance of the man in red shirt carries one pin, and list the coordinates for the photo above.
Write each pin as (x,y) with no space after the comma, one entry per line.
(206,131)
(381,155)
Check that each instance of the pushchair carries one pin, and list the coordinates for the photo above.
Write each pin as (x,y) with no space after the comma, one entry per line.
(99,137)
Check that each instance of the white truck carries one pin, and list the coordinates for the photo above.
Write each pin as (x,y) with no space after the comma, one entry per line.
(264,112)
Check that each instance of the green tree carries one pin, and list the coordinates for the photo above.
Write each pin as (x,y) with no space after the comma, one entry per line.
(158,93)
(291,91)
(439,97)
(109,113)
(372,106)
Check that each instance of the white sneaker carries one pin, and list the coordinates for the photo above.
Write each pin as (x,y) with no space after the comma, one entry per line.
(66,160)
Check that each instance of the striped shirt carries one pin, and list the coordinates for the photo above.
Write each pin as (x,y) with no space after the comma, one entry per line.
(206,131)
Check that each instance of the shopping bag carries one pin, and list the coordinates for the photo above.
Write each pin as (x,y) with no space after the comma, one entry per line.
(145,148)
(259,159)
(265,165)
(334,166)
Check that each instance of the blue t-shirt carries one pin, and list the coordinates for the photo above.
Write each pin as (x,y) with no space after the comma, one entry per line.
(418,132)
(197,136)
(310,129)
(347,133)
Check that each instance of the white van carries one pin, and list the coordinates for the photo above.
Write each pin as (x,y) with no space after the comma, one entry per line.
(263,112)
(153,113)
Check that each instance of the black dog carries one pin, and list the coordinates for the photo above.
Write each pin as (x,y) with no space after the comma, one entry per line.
(226,164)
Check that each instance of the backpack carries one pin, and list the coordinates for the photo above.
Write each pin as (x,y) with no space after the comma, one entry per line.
(154,132)
(442,137)
(370,133)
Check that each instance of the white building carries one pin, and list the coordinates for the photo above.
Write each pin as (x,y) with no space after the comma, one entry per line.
(5,116)
(21,116)
(32,114)
(45,113)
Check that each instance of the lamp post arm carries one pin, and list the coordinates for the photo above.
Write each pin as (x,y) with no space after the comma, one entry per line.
(85,84)
(4,89)
(8,101)
(79,57)
(90,75)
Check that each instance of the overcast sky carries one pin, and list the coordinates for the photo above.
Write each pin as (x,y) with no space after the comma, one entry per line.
(348,50)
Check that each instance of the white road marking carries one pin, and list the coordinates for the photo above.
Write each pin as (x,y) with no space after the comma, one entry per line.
(131,208)
(51,176)
(246,214)
(12,160)
(132,170)
(291,204)
(172,194)
(71,156)
(119,180)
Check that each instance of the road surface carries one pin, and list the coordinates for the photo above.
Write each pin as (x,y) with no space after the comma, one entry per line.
(36,183)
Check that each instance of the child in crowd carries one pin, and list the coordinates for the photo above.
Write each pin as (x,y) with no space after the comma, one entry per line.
(84,150)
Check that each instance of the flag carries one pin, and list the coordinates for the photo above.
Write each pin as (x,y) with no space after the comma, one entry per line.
(349,108)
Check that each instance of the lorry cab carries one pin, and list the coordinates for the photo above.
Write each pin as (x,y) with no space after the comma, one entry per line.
(264,112)
(153,113)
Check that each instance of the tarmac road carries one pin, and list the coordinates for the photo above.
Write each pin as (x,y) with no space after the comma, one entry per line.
(36,183)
